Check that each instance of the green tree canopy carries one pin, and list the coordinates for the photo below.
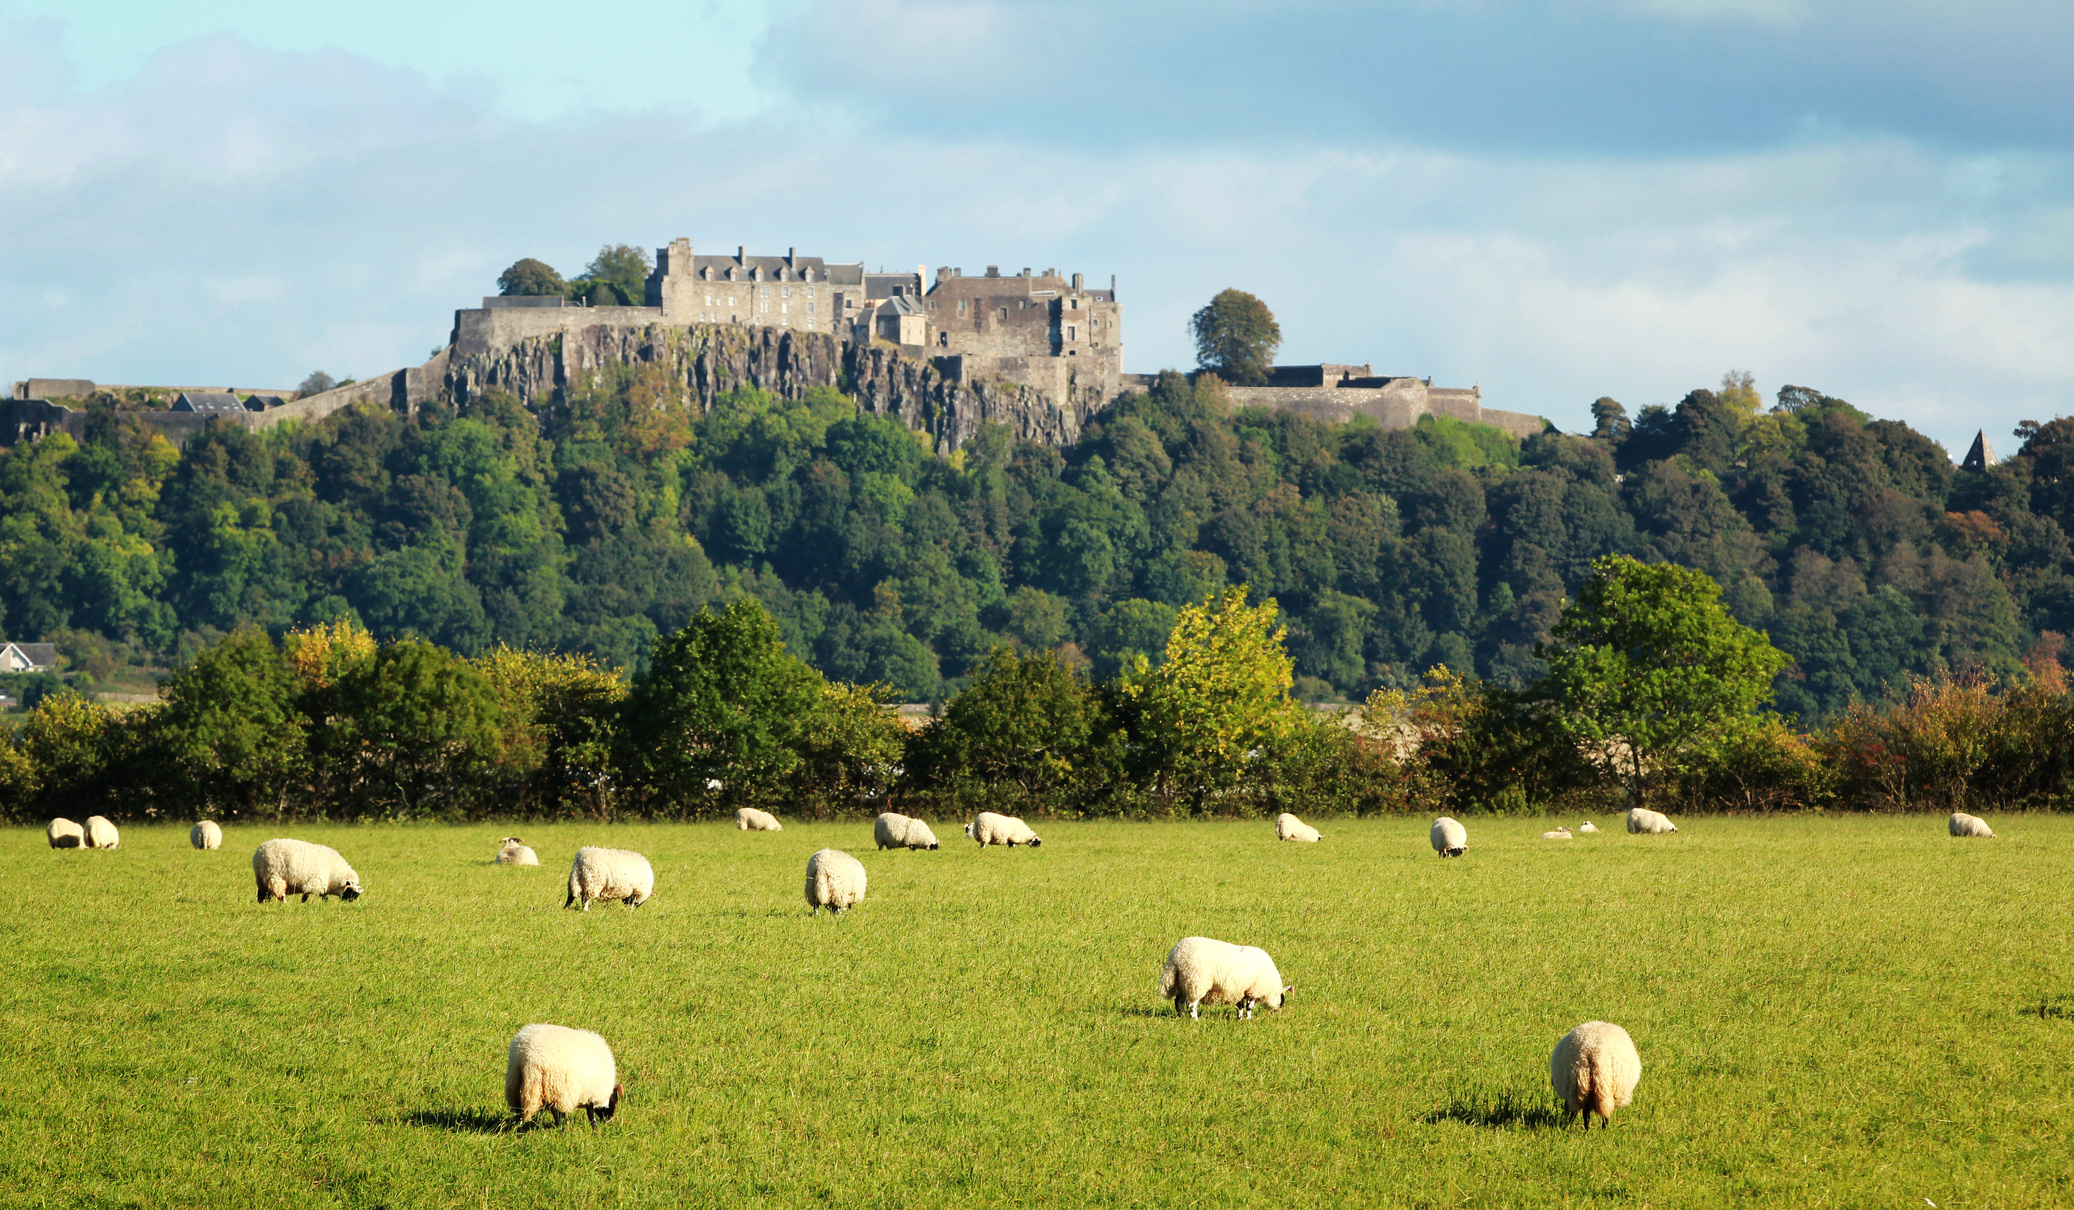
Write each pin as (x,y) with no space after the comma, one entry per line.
(1647,663)
(722,701)
(230,726)
(622,270)
(1236,337)
(1026,721)
(1219,698)
(530,276)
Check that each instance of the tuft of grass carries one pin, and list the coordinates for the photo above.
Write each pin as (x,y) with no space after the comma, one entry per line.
(2053,1006)
(1822,1007)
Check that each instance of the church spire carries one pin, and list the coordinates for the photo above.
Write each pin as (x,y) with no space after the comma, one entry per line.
(1981,456)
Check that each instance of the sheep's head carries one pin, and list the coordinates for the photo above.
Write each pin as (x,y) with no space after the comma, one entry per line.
(612,1106)
(351,890)
(968,831)
(935,845)
(1034,842)
(1275,1001)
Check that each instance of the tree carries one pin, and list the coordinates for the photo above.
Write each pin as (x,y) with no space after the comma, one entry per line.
(530,276)
(319,382)
(1218,701)
(1025,722)
(1236,337)
(1646,664)
(231,728)
(415,724)
(722,701)
(622,269)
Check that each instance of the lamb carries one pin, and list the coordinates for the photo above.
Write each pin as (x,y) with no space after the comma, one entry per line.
(1963,824)
(835,880)
(1204,971)
(1642,819)
(1289,827)
(609,874)
(101,834)
(1449,838)
(749,819)
(1594,1069)
(513,851)
(1558,834)
(561,1070)
(893,831)
(288,867)
(1588,827)
(64,834)
(988,828)
(207,834)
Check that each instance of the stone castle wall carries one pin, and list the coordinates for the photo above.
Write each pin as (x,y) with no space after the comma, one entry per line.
(1397,404)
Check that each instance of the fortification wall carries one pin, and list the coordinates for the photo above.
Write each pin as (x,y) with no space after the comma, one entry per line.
(1396,404)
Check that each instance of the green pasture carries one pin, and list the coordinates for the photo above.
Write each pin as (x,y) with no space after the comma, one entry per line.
(1830,1012)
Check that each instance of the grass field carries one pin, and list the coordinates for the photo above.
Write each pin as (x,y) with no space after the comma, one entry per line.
(1830,1012)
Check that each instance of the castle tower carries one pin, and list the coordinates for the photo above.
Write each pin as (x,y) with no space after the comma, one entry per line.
(670,285)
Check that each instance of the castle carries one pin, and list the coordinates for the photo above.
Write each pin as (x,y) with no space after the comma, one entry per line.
(1042,352)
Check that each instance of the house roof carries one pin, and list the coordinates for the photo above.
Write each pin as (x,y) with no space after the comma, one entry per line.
(207,401)
(38,655)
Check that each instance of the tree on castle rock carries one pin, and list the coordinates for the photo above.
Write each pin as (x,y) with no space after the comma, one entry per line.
(1236,337)
(530,276)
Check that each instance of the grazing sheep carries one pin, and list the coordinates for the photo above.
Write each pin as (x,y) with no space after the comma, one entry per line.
(64,834)
(1558,834)
(609,874)
(1204,971)
(988,828)
(835,880)
(1642,819)
(561,1070)
(101,834)
(290,867)
(207,834)
(1594,1069)
(1588,827)
(1449,838)
(749,819)
(513,851)
(1289,827)
(892,831)
(1963,824)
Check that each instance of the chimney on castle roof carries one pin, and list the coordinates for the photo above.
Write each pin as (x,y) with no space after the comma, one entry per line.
(993,270)
(1076,280)
(791,255)
(742,253)
(1026,270)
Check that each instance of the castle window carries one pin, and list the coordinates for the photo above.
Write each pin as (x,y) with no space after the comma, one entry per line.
(788,291)
(1072,333)
(1004,314)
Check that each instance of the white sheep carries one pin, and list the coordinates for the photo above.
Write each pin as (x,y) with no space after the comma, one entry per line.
(64,834)
(1558,834)
(835,880)
(1449,838)
(290,867)
(894,831)
(561,1070)
(101,833)
(513,851)
(749,819)
(1289,827)
(1588,827)
(988,828)
(1594,1070)
(1641,819)
(609,874)
(1962,824)
(207,834)
(1201,970)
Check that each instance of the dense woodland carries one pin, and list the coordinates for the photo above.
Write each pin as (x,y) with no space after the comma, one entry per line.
(607,520)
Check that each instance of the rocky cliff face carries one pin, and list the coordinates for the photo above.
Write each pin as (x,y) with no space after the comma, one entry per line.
(709,360)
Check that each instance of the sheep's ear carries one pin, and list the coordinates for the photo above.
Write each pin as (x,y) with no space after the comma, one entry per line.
(1289,989)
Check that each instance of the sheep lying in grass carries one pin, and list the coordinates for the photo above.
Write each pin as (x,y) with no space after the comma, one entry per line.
(749,819)
(207,834)
(609,874)
(1643,820)
(1588,827)
(1594,1070)
(64,834)
(1201,970)
(835,880)
(101,833)
(561,1070)
(297,867)
(988,828)
(1289,827)
(894,831)
(513,851)
(1449,838)
(1558,834)
(1962,824)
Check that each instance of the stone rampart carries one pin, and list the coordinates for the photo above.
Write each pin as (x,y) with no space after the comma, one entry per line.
(1396,403)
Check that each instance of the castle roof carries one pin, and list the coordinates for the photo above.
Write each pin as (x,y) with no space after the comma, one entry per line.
(779,268)
(899,304)
(207,401)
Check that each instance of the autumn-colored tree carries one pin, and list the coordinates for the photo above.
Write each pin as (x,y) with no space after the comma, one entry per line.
(1217,702)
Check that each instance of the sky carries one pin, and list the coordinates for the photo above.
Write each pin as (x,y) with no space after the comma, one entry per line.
(1554,199)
